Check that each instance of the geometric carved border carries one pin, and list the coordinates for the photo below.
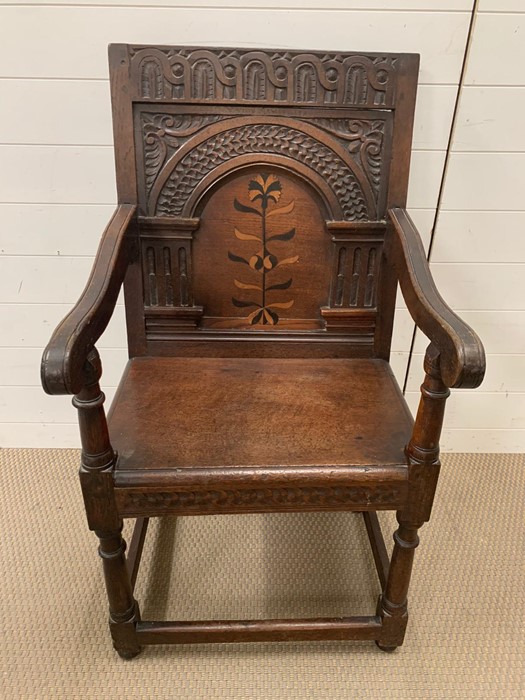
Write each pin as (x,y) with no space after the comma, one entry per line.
(284,498)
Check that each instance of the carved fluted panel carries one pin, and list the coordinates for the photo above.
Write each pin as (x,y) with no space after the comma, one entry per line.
(167,277)
(356,274)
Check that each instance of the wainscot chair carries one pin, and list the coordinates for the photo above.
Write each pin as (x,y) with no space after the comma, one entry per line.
(260,235)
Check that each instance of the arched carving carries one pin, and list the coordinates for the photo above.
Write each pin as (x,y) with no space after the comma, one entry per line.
(363,138)
(356,85)
(255,87)
(203,80)
(328,203)
(255,139)
(164,134)
(289,140)
(151,79)
(306,83)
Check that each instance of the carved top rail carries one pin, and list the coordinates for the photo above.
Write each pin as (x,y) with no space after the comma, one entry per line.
(184,74)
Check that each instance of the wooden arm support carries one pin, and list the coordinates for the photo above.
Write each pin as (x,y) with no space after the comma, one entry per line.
(65,356)
(462,358)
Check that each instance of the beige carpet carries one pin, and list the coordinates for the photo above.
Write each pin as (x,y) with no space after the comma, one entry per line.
(466,636)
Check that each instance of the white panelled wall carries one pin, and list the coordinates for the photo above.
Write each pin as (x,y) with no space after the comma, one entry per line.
(57,177)
(478,255)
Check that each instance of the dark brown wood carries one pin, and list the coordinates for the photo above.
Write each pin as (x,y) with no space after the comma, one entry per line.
(393,605)
(377,543)
(122,108)
(462,359)
(302,345)
(384,495)
(96,478)
(423,448)
(397,195)
(289,413)
(260,236)
(72,341)
(123,608)
(338,124)
(135,549)
(231,631)
(191,74)
(423,456)
(98,456)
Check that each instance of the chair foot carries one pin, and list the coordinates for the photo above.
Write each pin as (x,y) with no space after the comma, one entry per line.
(128,654)
(385,648)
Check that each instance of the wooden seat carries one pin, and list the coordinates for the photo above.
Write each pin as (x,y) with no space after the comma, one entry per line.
(282,421)
(260,237)
(288,413)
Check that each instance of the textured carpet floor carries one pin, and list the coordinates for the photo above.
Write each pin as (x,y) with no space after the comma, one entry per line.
(466,633)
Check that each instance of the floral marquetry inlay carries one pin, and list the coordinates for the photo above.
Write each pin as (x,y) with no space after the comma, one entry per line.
(265,192)
(262,256)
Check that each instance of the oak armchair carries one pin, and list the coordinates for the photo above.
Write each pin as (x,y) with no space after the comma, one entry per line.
(260,235)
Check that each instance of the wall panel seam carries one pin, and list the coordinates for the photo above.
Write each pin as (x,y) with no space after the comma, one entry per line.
(239,7)
(462,75)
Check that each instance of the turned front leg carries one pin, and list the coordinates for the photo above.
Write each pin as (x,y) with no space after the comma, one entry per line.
(123,609)
(96,478)
(393,604)
(423,469)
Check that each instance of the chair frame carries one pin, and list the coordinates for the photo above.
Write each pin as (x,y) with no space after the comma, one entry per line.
(71,365)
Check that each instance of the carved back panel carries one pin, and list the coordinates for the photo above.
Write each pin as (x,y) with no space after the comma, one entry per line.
(263,179)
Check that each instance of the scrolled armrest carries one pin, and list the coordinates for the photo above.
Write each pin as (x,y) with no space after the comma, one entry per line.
(462,358)
(64,357)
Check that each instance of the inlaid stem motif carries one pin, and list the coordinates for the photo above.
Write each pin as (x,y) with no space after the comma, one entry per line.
(267,190)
